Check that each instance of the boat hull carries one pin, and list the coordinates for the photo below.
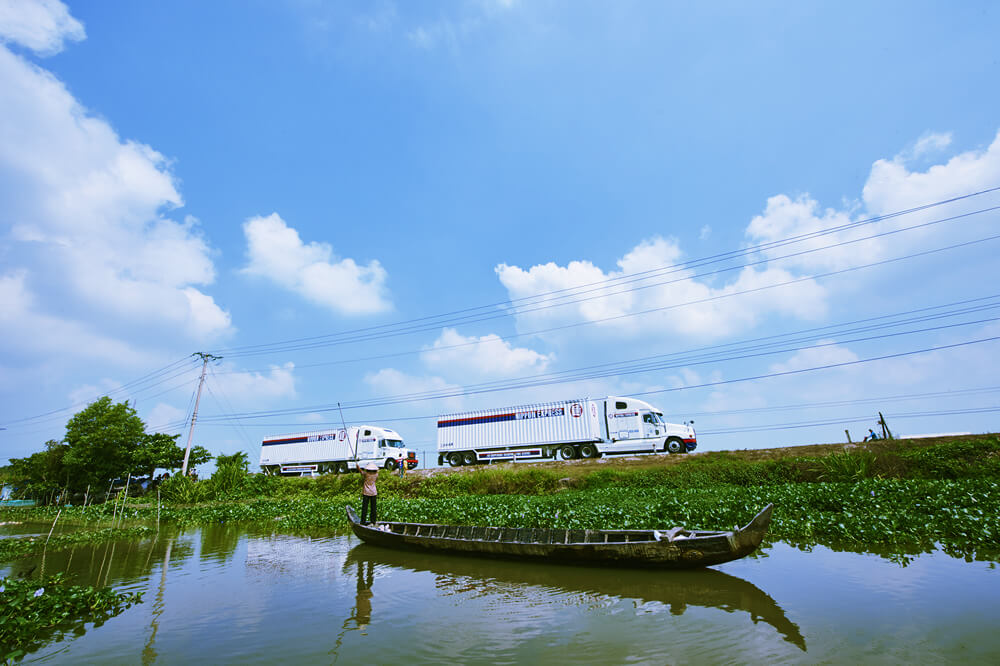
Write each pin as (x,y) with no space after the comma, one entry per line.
(627,548)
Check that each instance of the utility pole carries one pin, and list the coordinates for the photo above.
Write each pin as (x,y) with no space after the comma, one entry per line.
(194,415)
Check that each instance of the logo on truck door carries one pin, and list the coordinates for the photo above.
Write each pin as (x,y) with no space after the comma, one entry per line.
(576,410)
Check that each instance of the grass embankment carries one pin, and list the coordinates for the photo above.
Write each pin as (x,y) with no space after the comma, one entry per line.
(899,496)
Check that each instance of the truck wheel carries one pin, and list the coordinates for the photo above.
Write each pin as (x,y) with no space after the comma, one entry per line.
(588,451)
(675,445)
(455,459)
(567,452)
(469,458)
(342,468)
(390,464)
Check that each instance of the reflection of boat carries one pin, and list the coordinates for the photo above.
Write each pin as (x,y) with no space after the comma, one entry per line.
(675,548)
(706,588)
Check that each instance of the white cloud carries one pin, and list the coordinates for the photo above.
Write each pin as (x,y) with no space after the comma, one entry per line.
(455,355)
(40,25)
(83,225)
(784,217)
(276,252)
(931,143)
(163,417)
(892,186)
(814,357)
(242,387)
(27,330)
(392,382)
(683,304)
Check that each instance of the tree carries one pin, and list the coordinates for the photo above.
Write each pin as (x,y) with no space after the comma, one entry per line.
(160,451)
(40,475)
(102,440)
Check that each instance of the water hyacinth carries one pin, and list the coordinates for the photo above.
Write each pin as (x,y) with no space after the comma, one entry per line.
(31,616)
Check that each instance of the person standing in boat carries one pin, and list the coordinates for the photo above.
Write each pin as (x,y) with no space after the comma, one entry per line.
(369,493)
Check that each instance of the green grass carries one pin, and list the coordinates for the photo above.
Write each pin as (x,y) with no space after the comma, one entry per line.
(890,496)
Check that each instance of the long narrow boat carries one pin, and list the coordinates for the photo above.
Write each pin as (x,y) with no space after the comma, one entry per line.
(674,548)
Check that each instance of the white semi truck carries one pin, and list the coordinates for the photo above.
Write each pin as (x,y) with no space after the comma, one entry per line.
(583,428)
(337,451)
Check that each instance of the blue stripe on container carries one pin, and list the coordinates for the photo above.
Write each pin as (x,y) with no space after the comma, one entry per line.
(497,418)
(292,440)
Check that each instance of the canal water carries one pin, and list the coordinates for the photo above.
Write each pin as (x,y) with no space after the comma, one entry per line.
(227,595)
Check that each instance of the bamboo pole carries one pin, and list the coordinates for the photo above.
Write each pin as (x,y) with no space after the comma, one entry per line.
(52,528)
(125,499)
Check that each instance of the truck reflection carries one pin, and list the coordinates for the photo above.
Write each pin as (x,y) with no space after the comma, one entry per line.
(677,590)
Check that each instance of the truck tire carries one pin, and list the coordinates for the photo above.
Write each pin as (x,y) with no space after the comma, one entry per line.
(674,445)
(567,452)
(342,468)
(455,459)
(469,458)
(588,451)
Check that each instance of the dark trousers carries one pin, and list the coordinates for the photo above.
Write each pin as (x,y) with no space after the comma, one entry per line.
(367,500)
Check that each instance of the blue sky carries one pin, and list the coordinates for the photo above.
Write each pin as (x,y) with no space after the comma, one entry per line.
(445,198)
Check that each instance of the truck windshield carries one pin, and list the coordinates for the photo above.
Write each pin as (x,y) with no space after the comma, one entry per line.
(394,443)
(659,417)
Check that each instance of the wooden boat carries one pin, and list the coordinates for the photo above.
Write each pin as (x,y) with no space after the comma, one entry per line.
(675,548)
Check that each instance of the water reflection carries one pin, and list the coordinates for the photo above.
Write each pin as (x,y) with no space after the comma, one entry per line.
(676,590)
(109,563)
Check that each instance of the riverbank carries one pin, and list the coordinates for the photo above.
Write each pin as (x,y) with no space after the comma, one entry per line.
(895,497)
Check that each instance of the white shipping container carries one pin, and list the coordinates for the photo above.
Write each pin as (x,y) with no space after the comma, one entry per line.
(311,446)
(545,423)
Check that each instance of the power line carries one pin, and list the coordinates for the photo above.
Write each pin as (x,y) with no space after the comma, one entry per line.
(407,398)
(415,325)
(878,400)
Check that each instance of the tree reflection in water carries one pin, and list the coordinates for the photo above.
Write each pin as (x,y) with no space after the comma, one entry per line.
(677,590)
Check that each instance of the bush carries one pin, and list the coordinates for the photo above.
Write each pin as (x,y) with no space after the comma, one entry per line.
(184,490)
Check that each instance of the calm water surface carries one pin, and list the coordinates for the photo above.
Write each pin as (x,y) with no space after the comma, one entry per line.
(225,595)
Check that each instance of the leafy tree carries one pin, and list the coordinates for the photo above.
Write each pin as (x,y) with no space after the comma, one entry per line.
(102,441)
(160,451)
(41,474)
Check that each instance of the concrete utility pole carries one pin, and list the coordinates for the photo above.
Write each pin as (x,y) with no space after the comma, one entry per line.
(194,415)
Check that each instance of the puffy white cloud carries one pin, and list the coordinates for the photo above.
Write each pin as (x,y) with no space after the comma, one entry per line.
(248,387)
(456,355)
(392,382)
(678,303)
(40,25)
(28,330)
(891,187)
(83,221)
(276,252)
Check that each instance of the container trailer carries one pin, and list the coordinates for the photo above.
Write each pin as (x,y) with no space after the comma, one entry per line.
(568,429)
(337,451)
